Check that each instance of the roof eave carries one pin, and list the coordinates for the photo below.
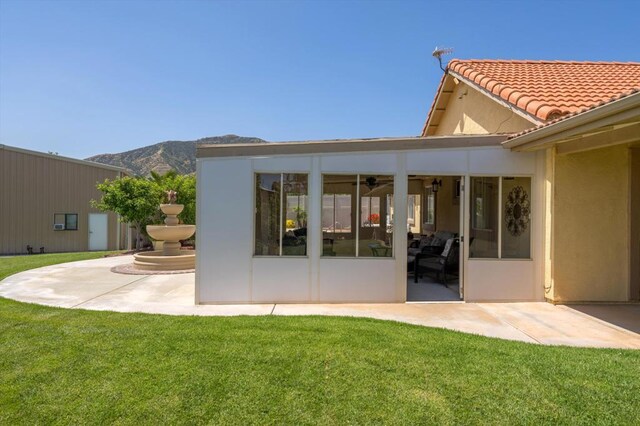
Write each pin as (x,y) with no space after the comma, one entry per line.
(597,117)
(434,105)
(68,159)
(349,146)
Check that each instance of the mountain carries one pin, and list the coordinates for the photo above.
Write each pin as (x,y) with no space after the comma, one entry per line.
(164,156)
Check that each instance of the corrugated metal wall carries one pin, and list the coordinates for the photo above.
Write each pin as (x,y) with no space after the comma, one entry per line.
(34,188)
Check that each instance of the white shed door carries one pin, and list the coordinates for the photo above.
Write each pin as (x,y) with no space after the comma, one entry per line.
(98,231)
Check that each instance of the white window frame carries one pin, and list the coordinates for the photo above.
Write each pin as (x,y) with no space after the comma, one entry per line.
(282,214)
(500,216)
(358,212)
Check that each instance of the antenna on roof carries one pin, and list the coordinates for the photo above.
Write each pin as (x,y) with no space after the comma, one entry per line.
(437,53)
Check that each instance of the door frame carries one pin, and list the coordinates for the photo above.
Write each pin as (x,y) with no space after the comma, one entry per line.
(463,246)
(463,222)
(106,232)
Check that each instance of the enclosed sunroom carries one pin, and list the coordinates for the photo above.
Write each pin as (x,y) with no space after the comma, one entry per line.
(333,221)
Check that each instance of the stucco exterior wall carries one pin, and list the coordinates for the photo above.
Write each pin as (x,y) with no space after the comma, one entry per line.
(634,223)
(591,226)
(470,112)
(448,210)
(34,188)
(549,175)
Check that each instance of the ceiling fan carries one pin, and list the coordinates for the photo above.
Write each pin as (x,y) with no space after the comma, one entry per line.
(371,182)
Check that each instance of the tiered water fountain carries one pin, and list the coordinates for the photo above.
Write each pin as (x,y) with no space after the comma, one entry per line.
(170,258)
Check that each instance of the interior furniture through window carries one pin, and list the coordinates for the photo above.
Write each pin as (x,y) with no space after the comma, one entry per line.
(281,214)
(357,215)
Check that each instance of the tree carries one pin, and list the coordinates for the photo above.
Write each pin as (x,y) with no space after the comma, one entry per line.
(136,200)
(185,186)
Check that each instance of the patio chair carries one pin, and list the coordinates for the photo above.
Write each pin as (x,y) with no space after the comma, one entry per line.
(445,262)
(428,246)
(431,244)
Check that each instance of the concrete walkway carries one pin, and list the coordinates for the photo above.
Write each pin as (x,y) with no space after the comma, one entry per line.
(91,285)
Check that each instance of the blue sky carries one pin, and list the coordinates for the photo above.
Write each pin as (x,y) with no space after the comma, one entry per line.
(88,77)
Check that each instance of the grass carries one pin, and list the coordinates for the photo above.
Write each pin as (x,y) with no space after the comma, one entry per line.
(73,366)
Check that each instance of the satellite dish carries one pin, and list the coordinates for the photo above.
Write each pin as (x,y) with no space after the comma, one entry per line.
(438,53)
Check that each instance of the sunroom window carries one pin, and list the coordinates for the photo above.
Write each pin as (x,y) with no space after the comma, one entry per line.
(357,215)
(500,217)
(281,214)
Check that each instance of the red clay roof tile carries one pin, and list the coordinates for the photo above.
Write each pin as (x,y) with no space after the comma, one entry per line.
(550,89)
(577,112)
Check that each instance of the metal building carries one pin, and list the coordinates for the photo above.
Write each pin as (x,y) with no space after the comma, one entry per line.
(45,204)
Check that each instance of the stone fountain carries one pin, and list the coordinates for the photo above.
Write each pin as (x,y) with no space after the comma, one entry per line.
(170,258)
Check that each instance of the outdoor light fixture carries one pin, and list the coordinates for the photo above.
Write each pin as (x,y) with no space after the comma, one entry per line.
(371,182)
(436,184)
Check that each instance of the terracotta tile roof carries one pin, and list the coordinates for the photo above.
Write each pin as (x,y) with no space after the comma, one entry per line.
(573,114)
(551,89)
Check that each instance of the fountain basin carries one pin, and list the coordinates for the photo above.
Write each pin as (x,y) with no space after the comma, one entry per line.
(170,258)
(171,233)
(171,209)
(157,261)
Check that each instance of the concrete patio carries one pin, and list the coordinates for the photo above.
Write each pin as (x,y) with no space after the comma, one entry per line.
(91,285)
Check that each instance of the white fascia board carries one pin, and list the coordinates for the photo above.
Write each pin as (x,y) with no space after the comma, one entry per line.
(607,114)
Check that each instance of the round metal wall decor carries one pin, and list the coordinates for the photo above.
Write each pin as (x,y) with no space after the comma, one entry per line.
(517,210)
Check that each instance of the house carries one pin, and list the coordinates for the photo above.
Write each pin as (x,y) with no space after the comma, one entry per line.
(45,204)
(531,168)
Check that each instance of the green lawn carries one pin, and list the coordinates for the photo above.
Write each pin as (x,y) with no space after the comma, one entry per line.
(75,367)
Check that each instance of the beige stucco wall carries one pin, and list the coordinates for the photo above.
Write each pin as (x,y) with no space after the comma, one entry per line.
(470,112)
(447,206)
(549,287)
(590,222)
(34,188)
(634,224)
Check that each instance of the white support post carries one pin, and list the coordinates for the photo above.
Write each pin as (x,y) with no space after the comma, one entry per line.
(400,195)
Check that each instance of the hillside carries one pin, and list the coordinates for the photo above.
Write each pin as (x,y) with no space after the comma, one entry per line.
(164,156)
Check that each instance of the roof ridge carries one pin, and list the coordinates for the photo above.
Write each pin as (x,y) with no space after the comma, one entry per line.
(543,61)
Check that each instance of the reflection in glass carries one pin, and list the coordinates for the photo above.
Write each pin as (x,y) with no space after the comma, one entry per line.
(294,239)
(484,217)
(71,222)
(267,220)
(338,203)
(376,216)
(413,213)
(430,218)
